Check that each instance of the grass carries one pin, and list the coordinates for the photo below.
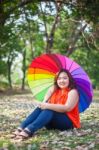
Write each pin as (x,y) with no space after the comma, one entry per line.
(15,107)
(96,95)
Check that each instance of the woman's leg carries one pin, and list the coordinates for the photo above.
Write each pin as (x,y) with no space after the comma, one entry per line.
(30,118)
(60,121)
(26,122)
(43,119)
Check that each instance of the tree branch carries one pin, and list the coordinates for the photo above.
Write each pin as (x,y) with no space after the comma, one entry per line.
(74,40)
(52,32)
(86,40)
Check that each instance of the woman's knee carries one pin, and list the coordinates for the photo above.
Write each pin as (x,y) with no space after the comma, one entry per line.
(48,111)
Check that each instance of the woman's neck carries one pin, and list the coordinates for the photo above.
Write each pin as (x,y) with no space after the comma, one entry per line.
(64,89)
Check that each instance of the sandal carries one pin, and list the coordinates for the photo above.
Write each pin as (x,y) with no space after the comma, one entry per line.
(24,135)
(16,133)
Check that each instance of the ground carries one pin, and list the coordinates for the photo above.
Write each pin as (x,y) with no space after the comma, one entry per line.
(15,106)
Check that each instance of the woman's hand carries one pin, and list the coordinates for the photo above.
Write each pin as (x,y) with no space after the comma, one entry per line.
(36,103)
(43,105)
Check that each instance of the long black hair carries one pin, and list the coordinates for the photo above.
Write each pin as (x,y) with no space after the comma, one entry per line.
(71,85)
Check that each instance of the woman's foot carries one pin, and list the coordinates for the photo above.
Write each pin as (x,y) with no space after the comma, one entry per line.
(16,133)
(25,134)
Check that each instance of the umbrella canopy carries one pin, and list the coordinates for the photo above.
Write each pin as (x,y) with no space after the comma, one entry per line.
(43,69)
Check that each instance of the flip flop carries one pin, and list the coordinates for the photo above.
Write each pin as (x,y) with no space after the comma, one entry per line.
(22,137)
(16,133)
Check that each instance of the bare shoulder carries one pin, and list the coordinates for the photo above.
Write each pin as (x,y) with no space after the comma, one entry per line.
(73,92)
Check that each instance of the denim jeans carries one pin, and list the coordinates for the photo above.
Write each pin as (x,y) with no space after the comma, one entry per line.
(46,118)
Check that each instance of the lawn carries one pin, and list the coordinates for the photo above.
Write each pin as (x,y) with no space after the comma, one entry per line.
(14,107)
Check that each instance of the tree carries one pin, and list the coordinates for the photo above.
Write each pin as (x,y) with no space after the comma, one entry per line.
(47,26)
(9,46)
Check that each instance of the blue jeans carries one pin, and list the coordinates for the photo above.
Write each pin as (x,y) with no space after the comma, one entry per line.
(48,118)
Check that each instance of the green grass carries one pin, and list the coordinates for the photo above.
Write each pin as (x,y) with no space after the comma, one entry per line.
(12,115)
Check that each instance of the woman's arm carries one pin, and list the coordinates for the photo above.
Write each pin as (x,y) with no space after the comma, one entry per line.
(47,96)
(72,100)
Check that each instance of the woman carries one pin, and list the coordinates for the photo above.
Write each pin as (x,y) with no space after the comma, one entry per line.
(58,111)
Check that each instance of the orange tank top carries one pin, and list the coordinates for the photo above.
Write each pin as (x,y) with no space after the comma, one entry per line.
(60,97)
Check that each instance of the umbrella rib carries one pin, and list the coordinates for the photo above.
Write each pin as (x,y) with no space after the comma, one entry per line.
(76,69)
(41,67)
(79,74)
(71,65)
(85,87)
(42,83)
(45,64)
(60,59)
(85,95)
(57,61)
(40,90)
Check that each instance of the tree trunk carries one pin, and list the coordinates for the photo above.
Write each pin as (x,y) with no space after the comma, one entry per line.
(2,15)
(74,39)
(49,43)
(9,63)
(24,69)
(50,37)
(29,33)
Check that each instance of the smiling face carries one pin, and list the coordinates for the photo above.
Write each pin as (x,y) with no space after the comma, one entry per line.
(63,80)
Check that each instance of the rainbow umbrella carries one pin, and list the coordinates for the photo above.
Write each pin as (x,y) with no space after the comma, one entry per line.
(42,71)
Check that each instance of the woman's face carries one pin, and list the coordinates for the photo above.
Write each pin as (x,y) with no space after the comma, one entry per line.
(63,80)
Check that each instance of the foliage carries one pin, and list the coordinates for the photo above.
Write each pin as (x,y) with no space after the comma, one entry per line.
(28,27)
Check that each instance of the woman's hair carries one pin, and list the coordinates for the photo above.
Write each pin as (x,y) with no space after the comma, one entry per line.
(71,85)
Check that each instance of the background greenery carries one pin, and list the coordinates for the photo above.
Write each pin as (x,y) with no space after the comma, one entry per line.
(29,28)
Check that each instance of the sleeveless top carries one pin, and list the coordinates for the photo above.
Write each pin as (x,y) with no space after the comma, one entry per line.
(60,97)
